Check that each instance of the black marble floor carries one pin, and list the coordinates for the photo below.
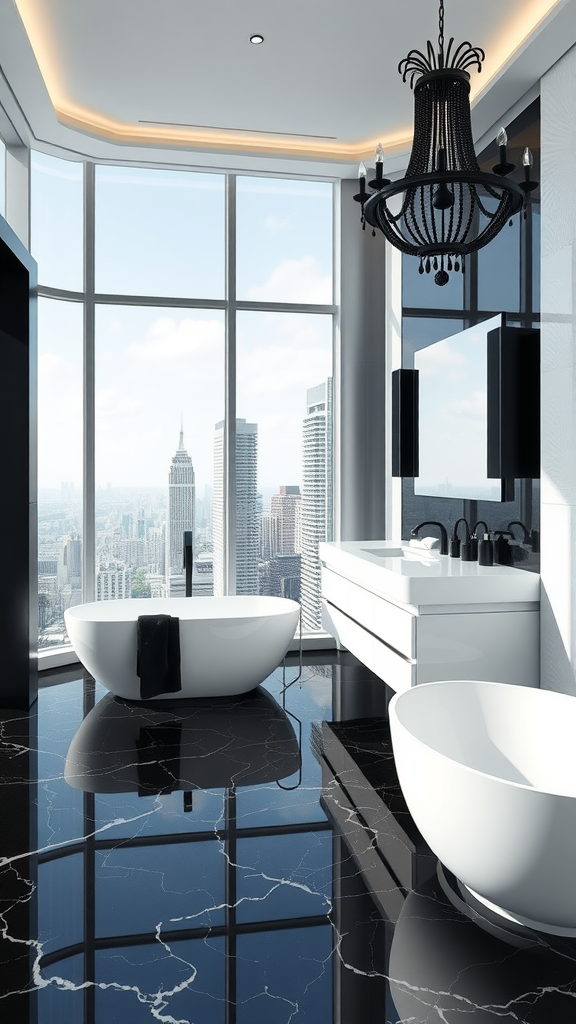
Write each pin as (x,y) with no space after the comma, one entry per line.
(242,861)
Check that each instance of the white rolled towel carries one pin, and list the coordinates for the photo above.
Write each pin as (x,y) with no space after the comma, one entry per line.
(425,542)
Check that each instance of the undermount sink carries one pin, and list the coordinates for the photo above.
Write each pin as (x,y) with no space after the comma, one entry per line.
(384,552)
(421,554)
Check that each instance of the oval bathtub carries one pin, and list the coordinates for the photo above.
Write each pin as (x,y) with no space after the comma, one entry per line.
(228,645)
(488,771)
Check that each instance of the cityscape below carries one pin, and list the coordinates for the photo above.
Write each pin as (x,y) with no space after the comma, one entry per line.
(139,531)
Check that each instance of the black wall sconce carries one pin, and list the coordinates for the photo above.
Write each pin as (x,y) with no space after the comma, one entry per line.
(405,411)
(514,403)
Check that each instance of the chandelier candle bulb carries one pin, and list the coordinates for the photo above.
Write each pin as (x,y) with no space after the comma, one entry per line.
(503,167)
(502,140)
(528,185)
(379,181)
(379,158)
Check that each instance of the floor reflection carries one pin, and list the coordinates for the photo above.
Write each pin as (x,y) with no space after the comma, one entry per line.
(245,860)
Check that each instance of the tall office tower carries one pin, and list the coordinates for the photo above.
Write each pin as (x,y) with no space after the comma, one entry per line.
(317,514)
(246,508)
(283,505)
(268,526)
(181,495)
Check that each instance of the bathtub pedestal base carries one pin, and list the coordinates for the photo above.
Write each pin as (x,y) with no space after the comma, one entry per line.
(516,919)
(498,920)
(510,928)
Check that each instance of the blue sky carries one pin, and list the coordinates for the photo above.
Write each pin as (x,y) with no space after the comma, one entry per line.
(162,233)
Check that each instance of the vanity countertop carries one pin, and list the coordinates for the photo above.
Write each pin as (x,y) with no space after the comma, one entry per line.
(417,576)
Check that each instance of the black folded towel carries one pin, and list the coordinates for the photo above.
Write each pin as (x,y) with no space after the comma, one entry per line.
(158,657)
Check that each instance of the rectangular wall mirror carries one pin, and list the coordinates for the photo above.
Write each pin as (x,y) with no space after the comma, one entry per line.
(478,419)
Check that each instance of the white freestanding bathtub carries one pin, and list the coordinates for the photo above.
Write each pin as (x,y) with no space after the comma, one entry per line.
(488,771)
(228,645)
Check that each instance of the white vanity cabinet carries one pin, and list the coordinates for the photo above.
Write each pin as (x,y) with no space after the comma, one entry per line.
(461,620)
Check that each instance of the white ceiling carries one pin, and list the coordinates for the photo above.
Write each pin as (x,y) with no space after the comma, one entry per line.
(117,78)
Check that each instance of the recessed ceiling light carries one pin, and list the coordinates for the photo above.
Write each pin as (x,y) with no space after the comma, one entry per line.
(257,39)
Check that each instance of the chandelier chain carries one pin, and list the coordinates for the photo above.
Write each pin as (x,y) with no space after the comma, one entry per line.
(441,34)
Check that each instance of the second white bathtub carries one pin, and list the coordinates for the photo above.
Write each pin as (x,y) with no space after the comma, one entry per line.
(488,771)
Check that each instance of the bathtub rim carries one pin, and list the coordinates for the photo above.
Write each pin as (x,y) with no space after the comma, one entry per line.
(395,720)
(256,606)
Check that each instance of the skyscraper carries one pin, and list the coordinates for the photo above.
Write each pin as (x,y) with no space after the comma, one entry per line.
(268,536)
(247,532)
(181,509)
(283,506)
(317,512)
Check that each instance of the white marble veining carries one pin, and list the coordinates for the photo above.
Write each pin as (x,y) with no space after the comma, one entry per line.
(184,878)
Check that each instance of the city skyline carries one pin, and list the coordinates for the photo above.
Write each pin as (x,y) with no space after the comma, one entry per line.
(139,531)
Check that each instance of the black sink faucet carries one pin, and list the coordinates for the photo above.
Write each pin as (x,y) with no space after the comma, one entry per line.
(455,542)
(443,534)
(526,531)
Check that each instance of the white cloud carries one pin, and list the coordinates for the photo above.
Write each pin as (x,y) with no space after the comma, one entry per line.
(436,358)
(295,281)
(281,370)
(274,223)
(112,404)
(473,407)
(167,339)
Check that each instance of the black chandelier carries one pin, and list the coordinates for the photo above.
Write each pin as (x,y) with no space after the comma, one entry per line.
(446,207)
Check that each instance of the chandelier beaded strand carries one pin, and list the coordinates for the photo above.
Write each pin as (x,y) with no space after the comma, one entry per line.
(445,207)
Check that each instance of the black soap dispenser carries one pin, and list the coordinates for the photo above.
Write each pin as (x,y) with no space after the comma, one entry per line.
(485,551)
(502,549)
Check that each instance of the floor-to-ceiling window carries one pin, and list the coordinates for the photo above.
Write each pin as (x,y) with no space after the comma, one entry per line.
(57,235)
(186,324)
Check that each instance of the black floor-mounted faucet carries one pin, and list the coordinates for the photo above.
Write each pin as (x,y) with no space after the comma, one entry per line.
(443,534)
(187,561)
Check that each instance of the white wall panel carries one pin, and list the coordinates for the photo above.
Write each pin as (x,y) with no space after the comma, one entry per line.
(558,513)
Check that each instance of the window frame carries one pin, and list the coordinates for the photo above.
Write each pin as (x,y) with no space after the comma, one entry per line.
(230,306)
